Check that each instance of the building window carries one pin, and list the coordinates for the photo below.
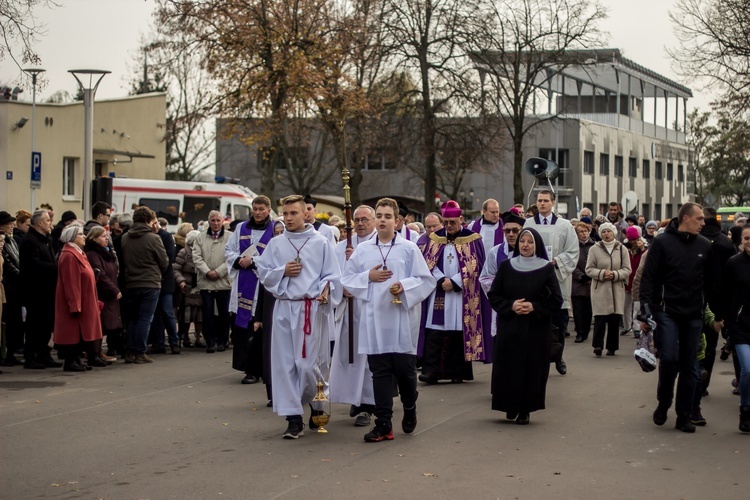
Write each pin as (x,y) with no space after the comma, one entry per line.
(560,157)
(603,207)
(646,169)
(633,167)
(669,211)
(646,211)
(670,171)
(657,211)
(379,159)
(69,172)
(588,162)
(604,164)
(618,166)
(658,173)
(680,173)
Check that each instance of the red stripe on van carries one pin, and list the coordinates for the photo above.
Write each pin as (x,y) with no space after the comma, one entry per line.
(193,192)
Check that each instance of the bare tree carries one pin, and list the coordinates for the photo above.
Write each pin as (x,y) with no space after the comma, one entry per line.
(524,45)
(19,30)
(714,43)
(428,39)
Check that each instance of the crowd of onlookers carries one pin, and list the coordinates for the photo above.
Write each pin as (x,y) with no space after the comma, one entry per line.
(125,278)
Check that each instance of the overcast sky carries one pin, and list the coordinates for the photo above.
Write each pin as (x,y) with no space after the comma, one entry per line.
(105,34)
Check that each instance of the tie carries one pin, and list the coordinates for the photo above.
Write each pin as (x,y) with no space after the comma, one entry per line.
(545,221)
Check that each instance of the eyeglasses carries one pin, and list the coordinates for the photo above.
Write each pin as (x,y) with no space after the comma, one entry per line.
(509,230)
(363,220)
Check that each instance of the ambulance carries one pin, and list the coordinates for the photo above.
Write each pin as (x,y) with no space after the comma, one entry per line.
(176,201)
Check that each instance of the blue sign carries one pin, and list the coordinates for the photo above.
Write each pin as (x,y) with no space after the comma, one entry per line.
(36,169)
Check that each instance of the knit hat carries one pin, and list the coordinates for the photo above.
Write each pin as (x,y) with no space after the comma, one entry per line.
(586,219)
(633,233)
(652,223)
(601,219)
(450,209)
(607,225)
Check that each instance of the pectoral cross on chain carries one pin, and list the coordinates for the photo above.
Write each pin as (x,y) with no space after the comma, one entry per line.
(450,258)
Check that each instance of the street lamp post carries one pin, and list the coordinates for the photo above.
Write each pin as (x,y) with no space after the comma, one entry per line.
(34,72)
(94,77)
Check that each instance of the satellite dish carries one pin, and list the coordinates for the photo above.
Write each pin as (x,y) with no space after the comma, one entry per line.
(629,202)
(541,169)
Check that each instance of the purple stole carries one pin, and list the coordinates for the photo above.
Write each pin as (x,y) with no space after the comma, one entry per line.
(470,253)
(501,256)
(476,226)
(247,280)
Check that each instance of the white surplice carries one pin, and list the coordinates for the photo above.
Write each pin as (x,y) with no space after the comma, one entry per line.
(350,383)
(295,375)
(561,243)
(454,301)
(386,327)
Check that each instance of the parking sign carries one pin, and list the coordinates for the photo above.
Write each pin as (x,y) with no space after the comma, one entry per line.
(36,169)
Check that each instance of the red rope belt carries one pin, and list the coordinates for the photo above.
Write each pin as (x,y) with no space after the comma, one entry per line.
(307,327)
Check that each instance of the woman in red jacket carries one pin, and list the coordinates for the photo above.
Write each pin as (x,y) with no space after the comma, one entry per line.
(76,304)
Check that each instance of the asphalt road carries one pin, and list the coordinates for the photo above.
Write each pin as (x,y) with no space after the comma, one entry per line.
(184,427)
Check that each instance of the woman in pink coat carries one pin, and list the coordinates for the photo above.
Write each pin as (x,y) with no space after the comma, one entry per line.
(76,304)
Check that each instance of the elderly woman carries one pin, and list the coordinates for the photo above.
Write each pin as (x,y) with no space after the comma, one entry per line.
(76,304)
(104,262)
(189,299)
(608,266)
(737,299)
(525,294)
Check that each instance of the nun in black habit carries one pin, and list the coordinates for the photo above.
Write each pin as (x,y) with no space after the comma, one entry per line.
(525,293)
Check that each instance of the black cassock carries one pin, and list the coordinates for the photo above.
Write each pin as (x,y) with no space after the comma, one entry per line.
(521,355)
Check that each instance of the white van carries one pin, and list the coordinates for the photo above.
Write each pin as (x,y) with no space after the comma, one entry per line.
(176,201)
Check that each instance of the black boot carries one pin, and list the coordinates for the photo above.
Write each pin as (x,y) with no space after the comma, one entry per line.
(684,424)
(745,418)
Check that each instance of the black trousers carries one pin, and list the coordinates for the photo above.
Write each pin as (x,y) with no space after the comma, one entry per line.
(384,367)
(444,355)
(247,354)
(712,341)
(609,324)
(560,319)
(39,324)
(582,316)
(216,328)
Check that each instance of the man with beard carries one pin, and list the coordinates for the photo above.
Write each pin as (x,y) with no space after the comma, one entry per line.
(456,317)
(248,239)
(512,225)
(490,227)
(351,383)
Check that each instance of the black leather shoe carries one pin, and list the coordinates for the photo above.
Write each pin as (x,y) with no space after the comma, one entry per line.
(73,367)
(561,367)
(511,415)
(684,424)
(34,365)
(578,340)
(157,350)
(250,379)
(220,347)
(660,414)
(427,379)
(409,421)
(50,363)
(210,348)
(523,419)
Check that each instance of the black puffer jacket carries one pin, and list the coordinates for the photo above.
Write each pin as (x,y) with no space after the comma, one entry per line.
(736,294)
(680,274)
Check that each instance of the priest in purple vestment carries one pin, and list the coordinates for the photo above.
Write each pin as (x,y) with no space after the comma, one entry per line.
(456,317)
(489,226)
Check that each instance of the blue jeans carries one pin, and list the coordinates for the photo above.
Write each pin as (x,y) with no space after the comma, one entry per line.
(742,351)
(164,318)
(676,339)
(216,328)
(142,306)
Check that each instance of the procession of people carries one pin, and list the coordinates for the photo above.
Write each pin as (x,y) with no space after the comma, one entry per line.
(321,316)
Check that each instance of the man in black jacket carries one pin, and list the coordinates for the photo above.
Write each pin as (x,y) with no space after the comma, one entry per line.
(39,277)
(723,249)
(677,279)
